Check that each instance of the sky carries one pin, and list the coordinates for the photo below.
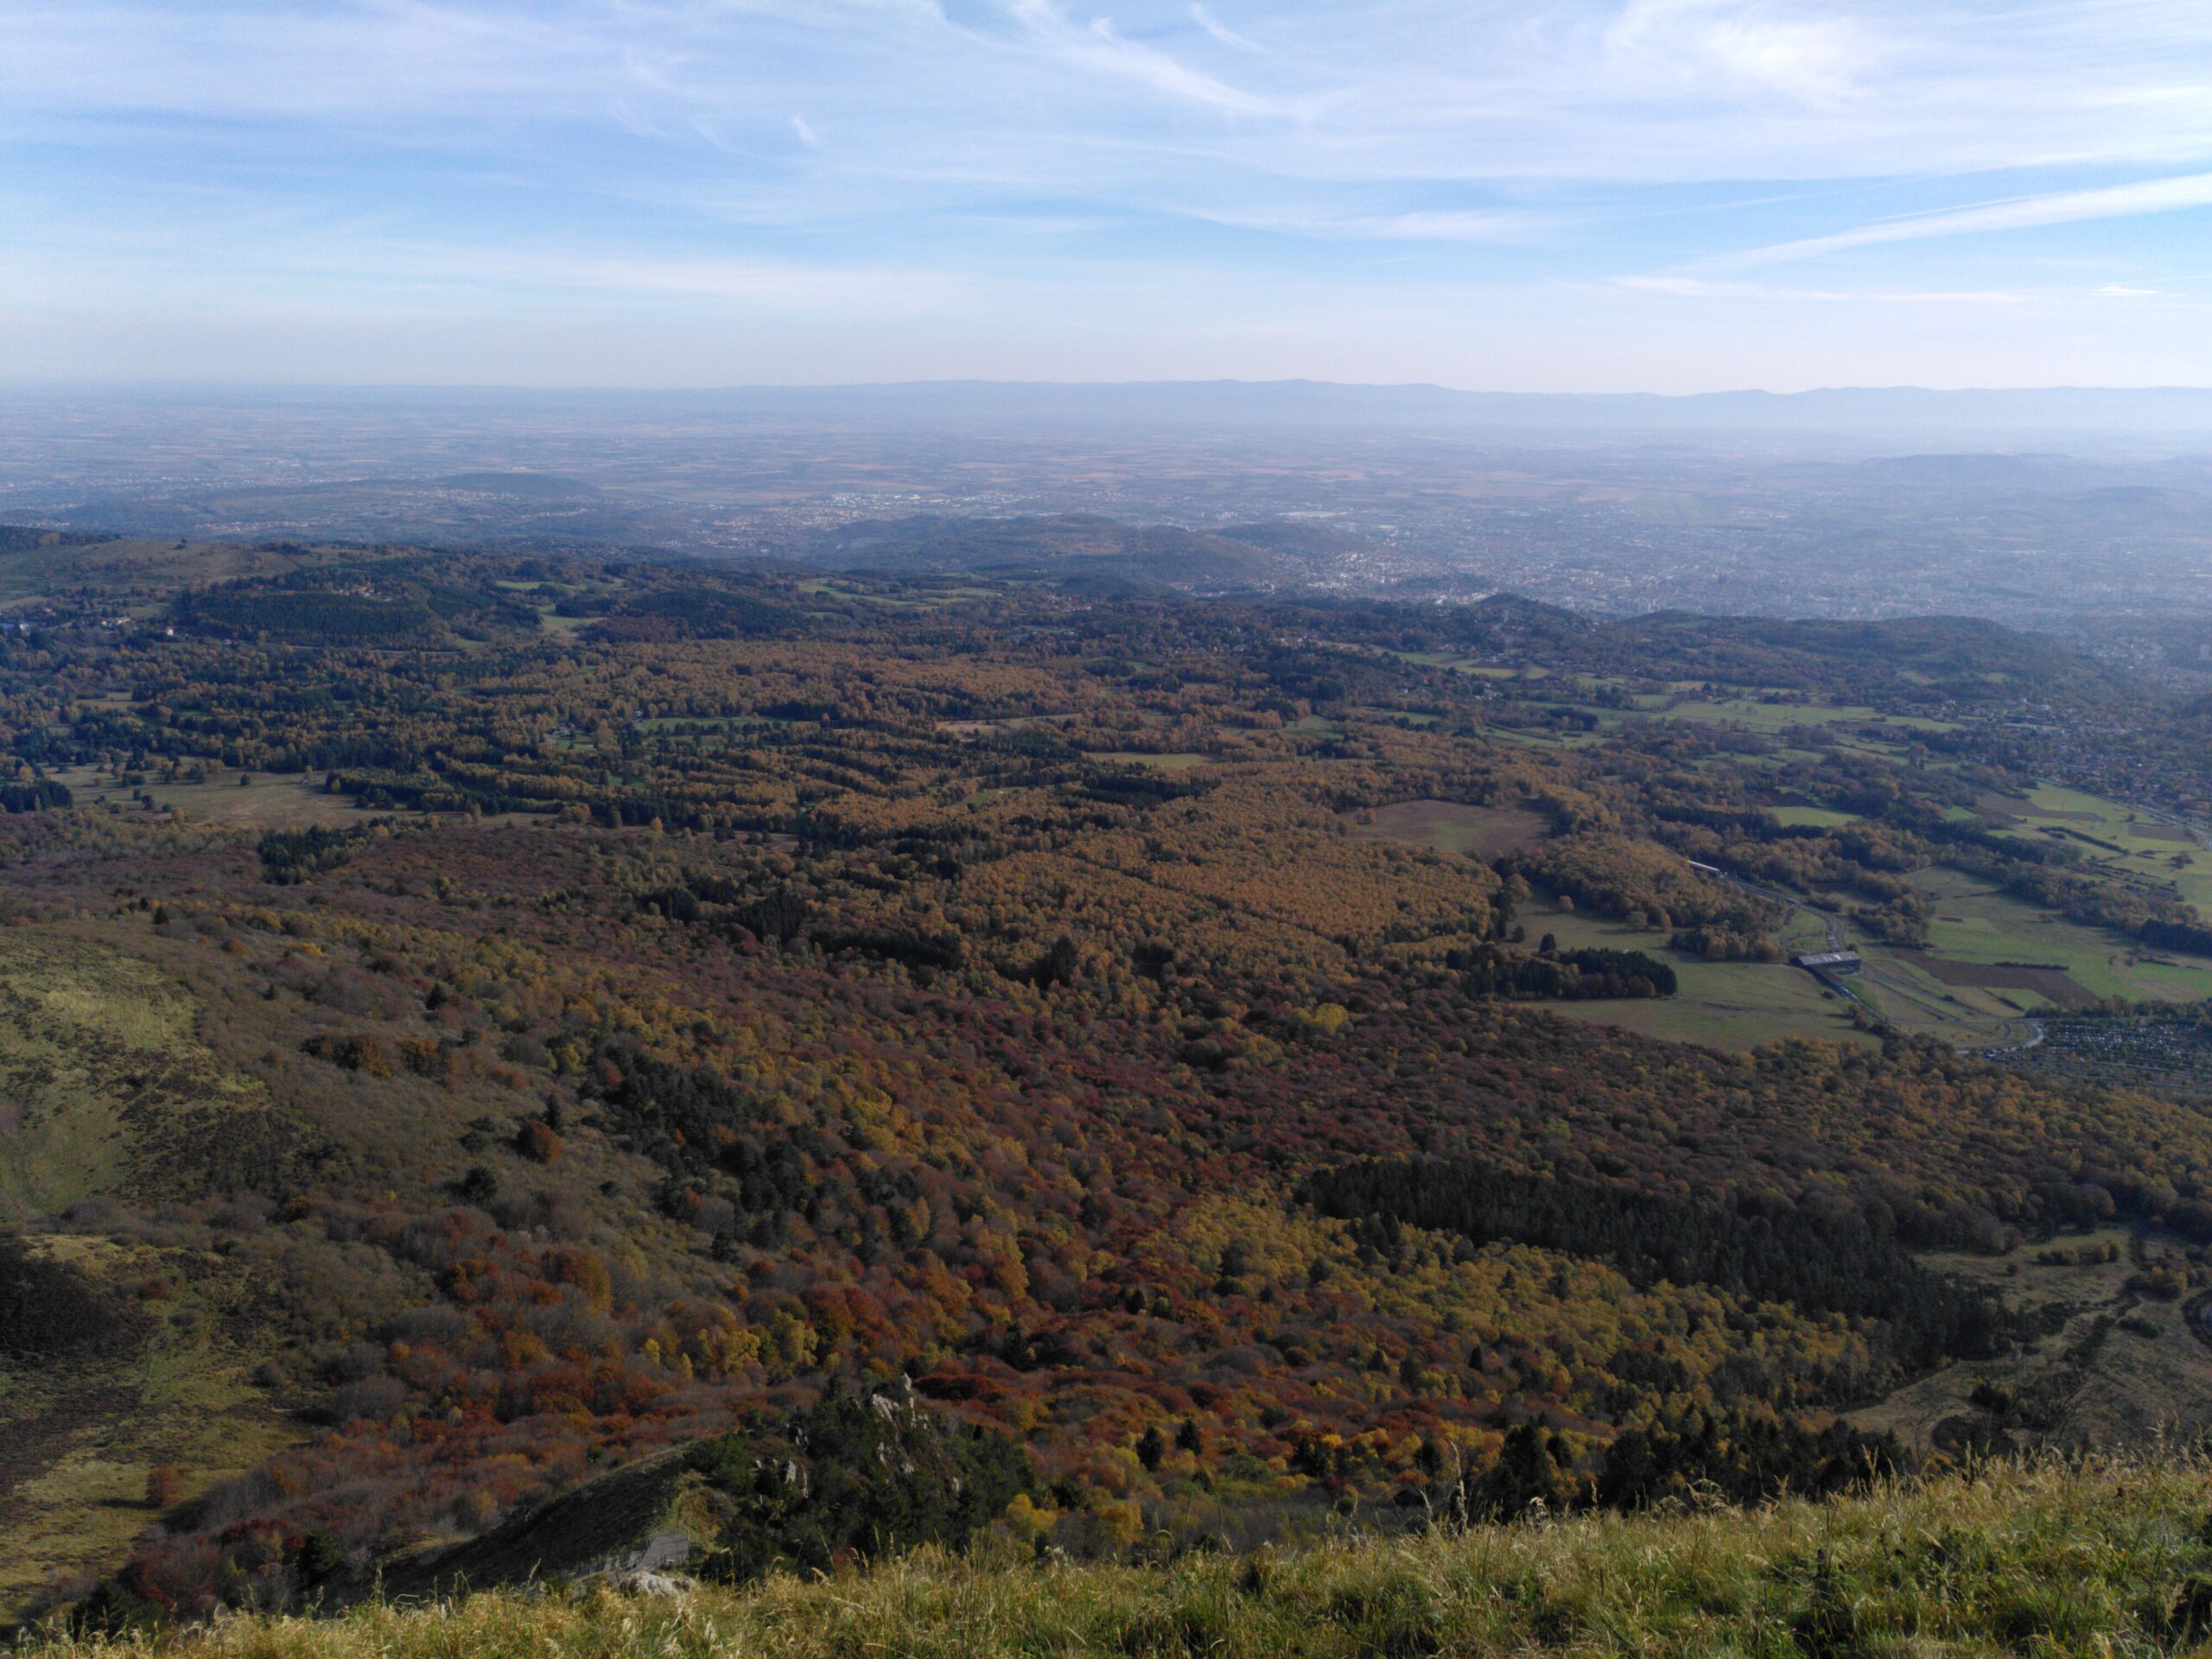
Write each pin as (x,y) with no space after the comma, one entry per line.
(1536,195)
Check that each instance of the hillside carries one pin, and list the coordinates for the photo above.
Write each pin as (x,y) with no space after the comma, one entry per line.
(476,1025)
(2092,1558)
(1929,659)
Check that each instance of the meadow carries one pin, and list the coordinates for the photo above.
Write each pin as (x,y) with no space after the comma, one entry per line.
(1454,826)
(1728,1005)
(1974,923)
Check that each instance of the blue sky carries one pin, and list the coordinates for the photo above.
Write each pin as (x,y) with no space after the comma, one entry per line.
(1665,195)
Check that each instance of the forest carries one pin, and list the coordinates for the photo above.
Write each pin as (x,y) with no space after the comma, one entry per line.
(477,1022)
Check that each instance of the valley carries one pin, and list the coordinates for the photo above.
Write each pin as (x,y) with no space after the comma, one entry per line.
(479,1020)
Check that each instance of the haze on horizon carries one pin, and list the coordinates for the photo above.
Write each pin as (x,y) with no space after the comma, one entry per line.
(1658,195)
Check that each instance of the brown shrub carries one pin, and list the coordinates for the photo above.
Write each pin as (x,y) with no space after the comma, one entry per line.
(351,1053)
(426,1057)
(536,1140)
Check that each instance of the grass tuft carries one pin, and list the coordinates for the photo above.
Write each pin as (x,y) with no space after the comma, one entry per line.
(2093,1556)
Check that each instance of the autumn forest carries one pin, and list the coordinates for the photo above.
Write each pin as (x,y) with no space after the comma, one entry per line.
(1226,1067)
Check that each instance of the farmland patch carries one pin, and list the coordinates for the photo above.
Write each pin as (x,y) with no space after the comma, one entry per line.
(1454,827)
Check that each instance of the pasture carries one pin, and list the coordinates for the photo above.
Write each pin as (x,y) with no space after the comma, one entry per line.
(2122,841)
(1814,817)
(261,802)
(1453,827)
(1179,760)
(1727,1004)
(1974,923)
(1778,718)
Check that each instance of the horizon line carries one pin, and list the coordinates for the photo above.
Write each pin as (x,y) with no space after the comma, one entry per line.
(976,382)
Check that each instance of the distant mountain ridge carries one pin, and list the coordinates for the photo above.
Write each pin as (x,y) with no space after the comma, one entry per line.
(1918,411)
(1321,403)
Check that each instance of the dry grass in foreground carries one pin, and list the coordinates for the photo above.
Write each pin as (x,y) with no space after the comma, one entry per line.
(2099,1557)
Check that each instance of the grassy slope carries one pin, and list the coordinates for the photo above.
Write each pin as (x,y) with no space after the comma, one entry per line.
(99,1068)
(79,1445)
(97,1057)
(2120,1366)
(2100,1557)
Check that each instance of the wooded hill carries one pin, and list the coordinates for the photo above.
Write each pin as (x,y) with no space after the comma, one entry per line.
(653,997)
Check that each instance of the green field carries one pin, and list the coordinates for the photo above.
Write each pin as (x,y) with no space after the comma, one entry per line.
(1750,709)
(1546,739)
(1452,659)
(1011,723)
(2115,838)
(2030,961)
(1762,716)
(1392,716)
(1742,1005)
(841,590)
(1974,923)
(1732,1005)
(1817,817)
(2042,961)
(686,725)
(1759,715)
(261,803)
(1896,987)
(1181,761)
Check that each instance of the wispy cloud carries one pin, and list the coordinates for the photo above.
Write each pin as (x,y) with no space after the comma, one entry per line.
(1221,32)
(1504,162)
(1102,48)
(1471,225)
(781,285)
(1810,54)
(341,263)
(1450,225)
(1699,288)
(2022,212)
(1599,91)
